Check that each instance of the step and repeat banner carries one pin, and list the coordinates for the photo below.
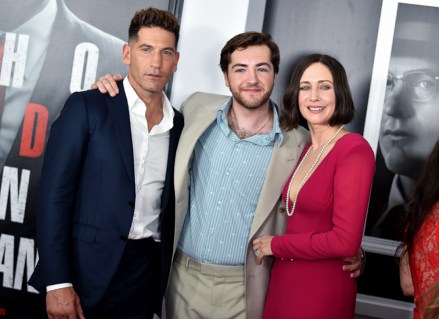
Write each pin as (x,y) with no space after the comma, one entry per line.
(48,49)
(51,48)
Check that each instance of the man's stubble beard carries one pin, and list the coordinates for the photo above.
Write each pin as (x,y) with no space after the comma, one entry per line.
(254,103)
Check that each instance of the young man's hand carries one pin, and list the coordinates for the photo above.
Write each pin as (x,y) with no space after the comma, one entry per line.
(108,84)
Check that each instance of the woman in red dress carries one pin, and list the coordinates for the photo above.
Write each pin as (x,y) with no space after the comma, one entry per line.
(327,197)
(419,267)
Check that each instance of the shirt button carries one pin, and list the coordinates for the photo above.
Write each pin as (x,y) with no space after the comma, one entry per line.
(227,173)
(219,202)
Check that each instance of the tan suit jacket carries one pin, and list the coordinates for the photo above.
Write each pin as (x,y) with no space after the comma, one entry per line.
(199,112)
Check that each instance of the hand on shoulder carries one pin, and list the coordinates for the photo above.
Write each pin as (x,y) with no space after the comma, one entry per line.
(108,84)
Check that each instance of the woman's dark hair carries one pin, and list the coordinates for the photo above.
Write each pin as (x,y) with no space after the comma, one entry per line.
(344,107)
(424,196)
(242,41)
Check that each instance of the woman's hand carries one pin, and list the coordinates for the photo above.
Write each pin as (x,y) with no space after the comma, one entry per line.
(262,247)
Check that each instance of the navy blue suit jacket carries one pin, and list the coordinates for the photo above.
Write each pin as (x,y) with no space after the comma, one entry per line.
(87,195)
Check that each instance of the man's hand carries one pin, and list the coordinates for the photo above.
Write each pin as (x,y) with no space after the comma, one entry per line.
(107,83)
(63,303)
(355,266)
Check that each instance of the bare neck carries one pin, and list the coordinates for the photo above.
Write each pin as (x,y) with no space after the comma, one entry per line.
(249,118)
(407,184)
(320,134)
(249,122)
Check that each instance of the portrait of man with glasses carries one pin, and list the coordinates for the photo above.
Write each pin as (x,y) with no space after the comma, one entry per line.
(410,119)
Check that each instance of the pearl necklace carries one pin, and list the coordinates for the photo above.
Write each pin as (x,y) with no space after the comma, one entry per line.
(307,173)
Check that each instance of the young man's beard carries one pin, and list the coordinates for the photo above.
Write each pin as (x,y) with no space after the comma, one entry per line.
(251,103)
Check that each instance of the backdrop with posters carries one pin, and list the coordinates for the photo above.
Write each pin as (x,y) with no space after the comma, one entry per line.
(401,125)
(51,49)
(344,29)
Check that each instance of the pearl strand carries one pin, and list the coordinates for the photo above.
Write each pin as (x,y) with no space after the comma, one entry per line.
(307,174)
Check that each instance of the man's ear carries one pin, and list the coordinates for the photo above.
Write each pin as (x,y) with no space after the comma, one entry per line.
(126,54)
(226,79)
(177,57)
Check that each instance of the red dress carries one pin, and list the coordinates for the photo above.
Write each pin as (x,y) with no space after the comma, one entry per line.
(424,260)
(327,225)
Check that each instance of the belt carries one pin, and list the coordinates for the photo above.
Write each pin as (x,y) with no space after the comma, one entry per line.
(208,269)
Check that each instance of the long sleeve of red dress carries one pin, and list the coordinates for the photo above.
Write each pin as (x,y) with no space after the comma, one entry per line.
(331,207)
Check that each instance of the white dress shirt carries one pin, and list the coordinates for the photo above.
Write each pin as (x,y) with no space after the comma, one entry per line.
(150,150)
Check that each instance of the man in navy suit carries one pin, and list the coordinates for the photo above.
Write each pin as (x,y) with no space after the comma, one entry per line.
(105,217)
(44,67)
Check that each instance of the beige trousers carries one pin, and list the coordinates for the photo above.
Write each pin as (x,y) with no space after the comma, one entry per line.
(205,291)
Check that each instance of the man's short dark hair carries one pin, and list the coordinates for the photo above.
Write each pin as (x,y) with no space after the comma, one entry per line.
(152,17)
(244,40)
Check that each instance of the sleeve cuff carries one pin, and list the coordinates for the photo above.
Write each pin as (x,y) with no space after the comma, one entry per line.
(58,286)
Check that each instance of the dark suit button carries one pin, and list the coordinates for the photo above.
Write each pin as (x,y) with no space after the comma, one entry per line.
(124,238)
(131,203)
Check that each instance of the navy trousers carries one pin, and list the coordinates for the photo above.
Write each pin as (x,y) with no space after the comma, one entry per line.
(134,292)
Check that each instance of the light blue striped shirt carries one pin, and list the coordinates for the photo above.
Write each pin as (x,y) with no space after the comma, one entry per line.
(226,178)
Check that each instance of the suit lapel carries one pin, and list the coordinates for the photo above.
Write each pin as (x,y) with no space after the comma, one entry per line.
(283,161)
(119,114)
(203,117)
(174,136)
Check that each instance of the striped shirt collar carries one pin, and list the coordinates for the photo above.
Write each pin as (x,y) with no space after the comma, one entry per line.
(276,132)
